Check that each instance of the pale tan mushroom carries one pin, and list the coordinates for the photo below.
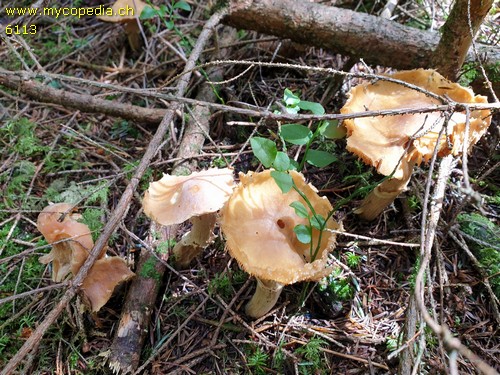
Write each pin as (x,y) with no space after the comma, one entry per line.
(394,144)
(127,13)
(258,224)
(71,241)
(197,197)
(103,277)
(71,244)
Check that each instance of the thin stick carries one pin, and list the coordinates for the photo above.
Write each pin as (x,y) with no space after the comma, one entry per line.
(31,292)
(371,239)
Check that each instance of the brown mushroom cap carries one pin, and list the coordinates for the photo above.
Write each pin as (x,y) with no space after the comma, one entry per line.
(73,249)
(175,199)
(258,224)
(382,141)
(120,5)
(68,255)
(103,277)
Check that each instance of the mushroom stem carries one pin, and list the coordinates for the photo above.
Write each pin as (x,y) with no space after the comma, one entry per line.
(194,241)
(384,194)
(264,299)
(133,32)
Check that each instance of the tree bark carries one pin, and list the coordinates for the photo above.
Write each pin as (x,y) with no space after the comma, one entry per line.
(377,40)
(457,36)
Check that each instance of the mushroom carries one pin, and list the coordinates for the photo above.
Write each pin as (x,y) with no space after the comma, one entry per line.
(394,144)
(71,244)
(258,224)
(130,21)
(71,241)
(197,197)
(103,277)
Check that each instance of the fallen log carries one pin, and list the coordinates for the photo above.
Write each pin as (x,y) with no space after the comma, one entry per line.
(377,40)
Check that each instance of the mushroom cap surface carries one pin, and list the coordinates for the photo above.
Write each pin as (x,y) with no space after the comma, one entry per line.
(258,224)
(137,5)
(382,141)
(68,255)
(103,277)
(175,199)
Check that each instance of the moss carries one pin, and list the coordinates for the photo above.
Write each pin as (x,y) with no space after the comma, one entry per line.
(483,238)
(148,270)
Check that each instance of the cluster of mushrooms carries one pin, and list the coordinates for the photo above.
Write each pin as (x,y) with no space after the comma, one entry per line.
(255,216)
(256,220)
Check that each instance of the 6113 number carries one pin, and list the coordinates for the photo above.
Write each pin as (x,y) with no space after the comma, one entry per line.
(20,30)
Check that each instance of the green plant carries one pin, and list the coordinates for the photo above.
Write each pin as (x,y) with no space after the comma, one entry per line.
(393,343)
(122,129)
(4,342)
(257,362)
(413,202)
(168,13)
(352,259)
(483,236)
(336,287)
(220,284)
(267,152)
(20,135)
(413,277)
(312,353)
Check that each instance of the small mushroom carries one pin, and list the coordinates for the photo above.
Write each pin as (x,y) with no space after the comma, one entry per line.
(103,277)
(127,13)
(394,144)
(258,224)
(197,197)
(71,241)
(71,244)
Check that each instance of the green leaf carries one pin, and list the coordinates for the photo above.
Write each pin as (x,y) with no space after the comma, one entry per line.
(281,162)
(290,99)
(315,108)
(182,5)
(283,180)
(320,159)
(148,12)
(293,165)
(300,209)
(332,130)
(264,149)
(318,222)
(296,134)
(303,233)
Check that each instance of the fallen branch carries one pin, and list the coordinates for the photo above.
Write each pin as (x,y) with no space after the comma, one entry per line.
(375,39)
(118,213)
(83,102)
(141,298)
(250,111)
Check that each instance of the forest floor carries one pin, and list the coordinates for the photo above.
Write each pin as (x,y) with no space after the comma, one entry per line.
(352,323)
